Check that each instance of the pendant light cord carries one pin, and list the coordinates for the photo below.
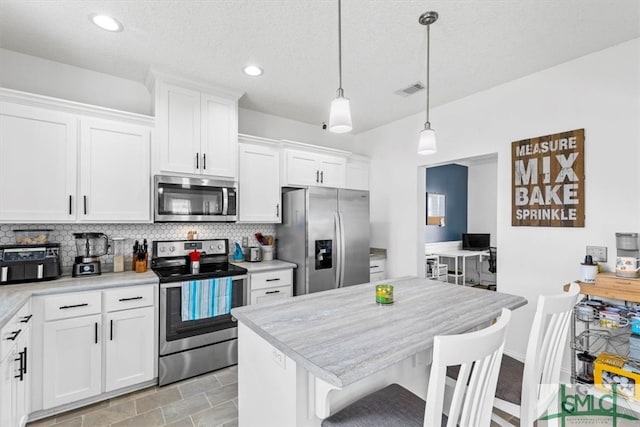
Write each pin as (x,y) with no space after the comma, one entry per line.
(340,91)
(428,93)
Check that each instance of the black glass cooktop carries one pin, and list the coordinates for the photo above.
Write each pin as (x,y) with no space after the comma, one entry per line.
(207,271)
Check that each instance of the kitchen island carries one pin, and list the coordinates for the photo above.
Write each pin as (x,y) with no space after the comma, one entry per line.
(302,359)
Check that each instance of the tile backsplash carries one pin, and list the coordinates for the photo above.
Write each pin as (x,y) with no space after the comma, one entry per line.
(63,234)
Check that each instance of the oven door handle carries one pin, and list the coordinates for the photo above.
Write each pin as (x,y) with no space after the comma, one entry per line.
(179,284)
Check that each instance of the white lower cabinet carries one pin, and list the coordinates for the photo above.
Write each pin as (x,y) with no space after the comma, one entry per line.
(271,286)
(376,270)
(72,360)
(14,370)
(129,347)
(96,342)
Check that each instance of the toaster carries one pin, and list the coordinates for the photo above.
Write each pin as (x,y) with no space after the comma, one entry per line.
(252,254)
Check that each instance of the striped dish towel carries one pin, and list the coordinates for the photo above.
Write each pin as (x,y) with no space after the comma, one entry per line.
(206,298)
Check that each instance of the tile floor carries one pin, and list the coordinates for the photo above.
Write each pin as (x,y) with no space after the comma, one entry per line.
(209,400)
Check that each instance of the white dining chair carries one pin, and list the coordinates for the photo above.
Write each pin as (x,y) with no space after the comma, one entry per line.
(526,390)
(479,354)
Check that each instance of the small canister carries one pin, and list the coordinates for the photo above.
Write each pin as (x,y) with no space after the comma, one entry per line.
(384,294)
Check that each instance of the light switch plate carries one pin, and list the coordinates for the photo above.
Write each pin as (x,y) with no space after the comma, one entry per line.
(598,253)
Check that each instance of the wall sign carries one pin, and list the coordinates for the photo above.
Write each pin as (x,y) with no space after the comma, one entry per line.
(548,180)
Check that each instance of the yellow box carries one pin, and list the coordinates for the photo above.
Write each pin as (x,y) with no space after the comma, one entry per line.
(608,370)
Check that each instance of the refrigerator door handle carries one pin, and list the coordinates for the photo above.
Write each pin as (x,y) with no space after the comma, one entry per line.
(341,255)
(338,249)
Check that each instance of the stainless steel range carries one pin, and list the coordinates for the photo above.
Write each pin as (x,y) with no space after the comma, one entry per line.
(192,345)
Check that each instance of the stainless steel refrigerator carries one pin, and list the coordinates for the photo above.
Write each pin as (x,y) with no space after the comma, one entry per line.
(325,231)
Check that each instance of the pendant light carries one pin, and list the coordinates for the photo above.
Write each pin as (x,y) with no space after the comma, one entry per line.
(340,113)
(427,144)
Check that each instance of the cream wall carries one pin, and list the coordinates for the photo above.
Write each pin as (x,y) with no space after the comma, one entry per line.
(599,92)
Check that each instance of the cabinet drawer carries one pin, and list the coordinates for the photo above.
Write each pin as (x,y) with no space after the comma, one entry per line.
(271,279)
(128,297)
(72,305)
(270,294)
(376,266)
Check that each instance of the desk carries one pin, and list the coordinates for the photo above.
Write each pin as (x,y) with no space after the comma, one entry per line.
(464,254)
(302,359)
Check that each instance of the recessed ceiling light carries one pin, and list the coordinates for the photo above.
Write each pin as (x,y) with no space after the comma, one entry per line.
(106,22)
(253,70)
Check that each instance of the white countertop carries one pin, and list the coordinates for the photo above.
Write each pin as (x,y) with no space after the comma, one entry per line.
(342,335)
(13,297)
(262,266)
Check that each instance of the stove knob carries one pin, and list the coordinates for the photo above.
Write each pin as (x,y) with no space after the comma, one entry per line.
(211,247)
(220,247)
(162,248)
(171,249)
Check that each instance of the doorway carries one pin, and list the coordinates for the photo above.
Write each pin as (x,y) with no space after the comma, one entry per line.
(470,207)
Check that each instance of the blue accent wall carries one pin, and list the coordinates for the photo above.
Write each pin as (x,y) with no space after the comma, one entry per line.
(450,180)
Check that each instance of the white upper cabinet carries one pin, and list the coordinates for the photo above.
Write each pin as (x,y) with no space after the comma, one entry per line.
(197,131)
(259,182)
(179,129)
(65,162)
(310,168)
(114,171)
(219,136)
(37,164)
(357,173)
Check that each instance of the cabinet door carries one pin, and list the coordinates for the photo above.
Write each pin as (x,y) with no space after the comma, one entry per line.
(130,356)
(259,184)
(37,164)
(301,168)
(357,177)
(179,129)
(8,389)
(332,171)
(115,172)
(72,360)
(219,142)
(22,390)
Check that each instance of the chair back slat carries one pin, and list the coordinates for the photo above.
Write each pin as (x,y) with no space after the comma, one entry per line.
(479,355)
(545,349)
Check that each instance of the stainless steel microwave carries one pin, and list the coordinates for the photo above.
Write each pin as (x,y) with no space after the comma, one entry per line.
(179,199)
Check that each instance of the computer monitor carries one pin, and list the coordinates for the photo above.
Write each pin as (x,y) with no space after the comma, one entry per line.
(476,241)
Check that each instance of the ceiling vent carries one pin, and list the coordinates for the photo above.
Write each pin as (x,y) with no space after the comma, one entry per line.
(410,90)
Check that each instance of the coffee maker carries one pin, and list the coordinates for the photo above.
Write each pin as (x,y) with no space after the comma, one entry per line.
(628,256)
(89,248)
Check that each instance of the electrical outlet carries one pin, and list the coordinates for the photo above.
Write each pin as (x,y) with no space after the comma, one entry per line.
(598,253)
(278,357)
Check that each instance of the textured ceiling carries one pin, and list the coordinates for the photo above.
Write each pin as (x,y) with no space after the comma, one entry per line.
(476,44)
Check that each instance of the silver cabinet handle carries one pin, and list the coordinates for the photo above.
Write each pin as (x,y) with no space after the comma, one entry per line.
(70,202)
(197,160)
(271,292)
(85,204)
(204,161)
(278,210)
(317,176)
(273,280)
(321,177)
